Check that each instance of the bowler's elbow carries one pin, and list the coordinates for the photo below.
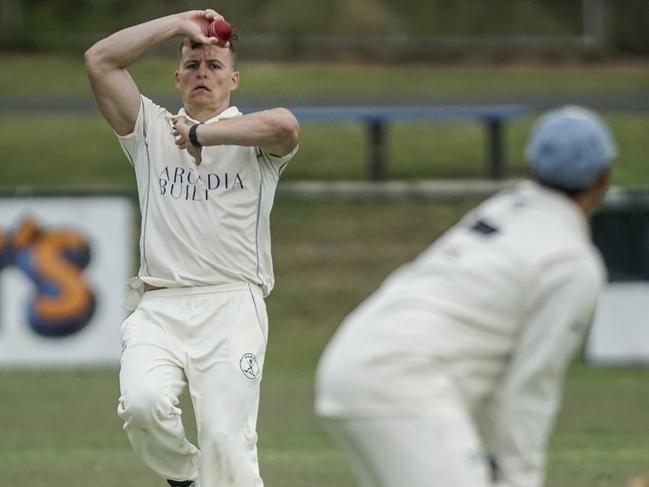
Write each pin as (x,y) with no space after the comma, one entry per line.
(287,129)
(91,57)
(95,59)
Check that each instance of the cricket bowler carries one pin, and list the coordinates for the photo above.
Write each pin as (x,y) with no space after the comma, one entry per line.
(206,178)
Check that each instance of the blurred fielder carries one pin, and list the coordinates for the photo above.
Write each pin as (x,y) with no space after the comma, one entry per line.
(206,180)
(451,372)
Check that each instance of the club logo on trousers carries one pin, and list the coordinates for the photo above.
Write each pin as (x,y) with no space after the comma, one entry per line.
(249,366)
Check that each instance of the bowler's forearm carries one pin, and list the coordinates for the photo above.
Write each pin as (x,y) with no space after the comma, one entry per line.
(275,130)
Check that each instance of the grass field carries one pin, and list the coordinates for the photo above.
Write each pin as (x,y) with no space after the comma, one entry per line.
(49,76)
(80,151)
(59,427)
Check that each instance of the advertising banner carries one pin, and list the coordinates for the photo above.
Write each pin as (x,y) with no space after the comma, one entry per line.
(64,262)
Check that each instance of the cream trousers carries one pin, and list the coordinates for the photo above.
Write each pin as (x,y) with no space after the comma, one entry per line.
(212,340)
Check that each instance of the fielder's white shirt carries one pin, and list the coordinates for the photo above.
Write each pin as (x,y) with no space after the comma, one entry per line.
(499,304)
(201,225)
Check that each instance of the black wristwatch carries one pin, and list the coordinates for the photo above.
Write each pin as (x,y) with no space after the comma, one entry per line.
(192,135)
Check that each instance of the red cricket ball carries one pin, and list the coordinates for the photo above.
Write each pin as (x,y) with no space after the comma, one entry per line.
(221,29)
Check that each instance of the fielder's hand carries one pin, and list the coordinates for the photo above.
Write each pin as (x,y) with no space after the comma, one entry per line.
(181,132)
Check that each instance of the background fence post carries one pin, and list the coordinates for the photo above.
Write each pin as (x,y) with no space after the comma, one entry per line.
(595,31)
(11,17)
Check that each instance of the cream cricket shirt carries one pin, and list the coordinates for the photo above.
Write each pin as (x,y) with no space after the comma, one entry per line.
(201,225)
(495,309)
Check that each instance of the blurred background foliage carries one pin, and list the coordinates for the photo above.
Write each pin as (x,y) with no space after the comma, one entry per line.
(71,24)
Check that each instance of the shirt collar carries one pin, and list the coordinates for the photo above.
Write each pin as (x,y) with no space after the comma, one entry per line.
(560,202)
(230,112)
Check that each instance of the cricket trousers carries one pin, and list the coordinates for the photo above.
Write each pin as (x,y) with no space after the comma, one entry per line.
(213,341)
(393,409)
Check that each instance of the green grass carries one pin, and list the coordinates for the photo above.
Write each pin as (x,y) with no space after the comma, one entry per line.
(49,76)
(61,428)
(62,151)
(425,79)
(80,151)
(601,438)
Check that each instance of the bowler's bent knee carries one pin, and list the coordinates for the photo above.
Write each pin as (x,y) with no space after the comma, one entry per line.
(144,408)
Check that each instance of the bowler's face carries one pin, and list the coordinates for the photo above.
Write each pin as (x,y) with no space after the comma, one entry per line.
(206,76)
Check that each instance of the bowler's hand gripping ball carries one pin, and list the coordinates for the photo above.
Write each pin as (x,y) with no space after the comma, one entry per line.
(220,29)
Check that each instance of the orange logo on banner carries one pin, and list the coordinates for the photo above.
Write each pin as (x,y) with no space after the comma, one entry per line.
(54,261)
